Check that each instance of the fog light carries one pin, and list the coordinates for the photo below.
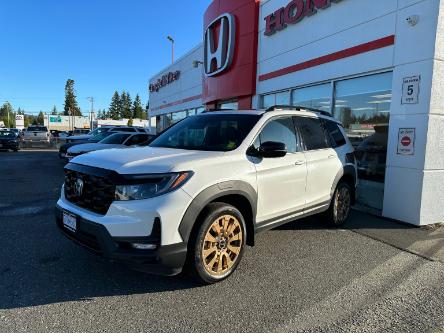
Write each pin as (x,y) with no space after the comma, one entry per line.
(141,246)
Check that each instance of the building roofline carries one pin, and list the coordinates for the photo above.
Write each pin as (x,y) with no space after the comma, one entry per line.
(165,69)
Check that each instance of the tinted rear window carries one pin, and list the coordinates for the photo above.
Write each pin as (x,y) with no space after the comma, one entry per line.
(312,133)
(37,129)
(336,136)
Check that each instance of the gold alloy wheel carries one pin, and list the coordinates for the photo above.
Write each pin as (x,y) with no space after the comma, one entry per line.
(222,245)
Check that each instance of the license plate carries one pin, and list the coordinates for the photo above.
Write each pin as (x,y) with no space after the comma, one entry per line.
(70,221)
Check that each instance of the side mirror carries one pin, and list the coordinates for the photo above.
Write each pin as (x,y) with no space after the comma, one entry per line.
(271,149)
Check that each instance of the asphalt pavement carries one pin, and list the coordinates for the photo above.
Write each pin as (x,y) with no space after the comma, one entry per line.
(301,277)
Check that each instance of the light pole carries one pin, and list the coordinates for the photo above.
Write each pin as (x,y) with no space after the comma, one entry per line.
(91,100)
(172,48)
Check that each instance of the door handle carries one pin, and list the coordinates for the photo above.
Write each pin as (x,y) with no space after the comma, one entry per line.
(299,162)
(331,156)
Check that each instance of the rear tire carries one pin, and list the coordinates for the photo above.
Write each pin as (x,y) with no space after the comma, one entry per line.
(217,245)
(340,206)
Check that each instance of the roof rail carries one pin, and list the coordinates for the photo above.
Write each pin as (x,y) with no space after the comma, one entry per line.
(217,110)
(298,108)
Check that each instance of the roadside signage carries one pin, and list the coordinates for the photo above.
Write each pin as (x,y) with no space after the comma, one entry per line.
(410,90)
(406,141)
(55,119)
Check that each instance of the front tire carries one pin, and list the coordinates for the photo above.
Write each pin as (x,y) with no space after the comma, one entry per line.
(340,206)
(218,244)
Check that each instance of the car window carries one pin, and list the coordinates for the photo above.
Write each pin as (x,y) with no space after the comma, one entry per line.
(336,136)
(312,133)
(136,139)
(7,134)
(279,130)
(37,129)
(116,139)
(207,132)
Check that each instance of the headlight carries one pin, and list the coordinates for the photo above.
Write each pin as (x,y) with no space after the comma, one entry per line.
(151,186)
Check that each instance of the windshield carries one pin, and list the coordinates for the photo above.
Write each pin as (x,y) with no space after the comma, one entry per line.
(7,134)
(37,129)
(217,132)
(99,131)
(116,139)
(100,137)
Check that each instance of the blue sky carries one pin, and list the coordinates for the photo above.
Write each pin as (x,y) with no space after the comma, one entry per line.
(104,45)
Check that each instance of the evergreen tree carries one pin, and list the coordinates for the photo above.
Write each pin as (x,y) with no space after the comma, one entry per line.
(115,107)
(40,118)
(6,113)
(54,111)
(137,108)
(71,100)
(126,102)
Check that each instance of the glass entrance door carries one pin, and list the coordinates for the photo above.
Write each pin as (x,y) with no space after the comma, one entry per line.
(363,107)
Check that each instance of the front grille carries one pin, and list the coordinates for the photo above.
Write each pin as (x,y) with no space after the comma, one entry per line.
(97,193)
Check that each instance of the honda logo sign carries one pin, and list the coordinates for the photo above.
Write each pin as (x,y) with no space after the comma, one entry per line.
(219,44)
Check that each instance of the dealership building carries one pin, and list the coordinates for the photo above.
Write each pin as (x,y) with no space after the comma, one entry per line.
(376,66)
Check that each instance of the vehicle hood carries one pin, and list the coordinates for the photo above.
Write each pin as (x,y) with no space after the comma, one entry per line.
(87,147)
(79,137)
(146,159)
(3,139)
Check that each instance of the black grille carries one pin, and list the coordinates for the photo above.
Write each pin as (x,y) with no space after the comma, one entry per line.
(97,193)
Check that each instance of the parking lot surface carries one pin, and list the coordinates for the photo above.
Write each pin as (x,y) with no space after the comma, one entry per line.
(301,277)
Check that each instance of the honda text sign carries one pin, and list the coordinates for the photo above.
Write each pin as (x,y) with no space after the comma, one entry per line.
(294,12)
(219,44)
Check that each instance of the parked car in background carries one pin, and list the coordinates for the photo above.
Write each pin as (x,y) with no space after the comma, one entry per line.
(95,136)
(116,140)
(201,190)
(9,140)
(64,148)
(16,131)
(84,137)
(38,134)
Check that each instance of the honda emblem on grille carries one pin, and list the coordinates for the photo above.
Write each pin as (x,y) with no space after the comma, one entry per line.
(78,187)
(219,44)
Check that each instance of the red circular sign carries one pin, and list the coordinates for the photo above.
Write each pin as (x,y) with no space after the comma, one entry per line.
(406,141)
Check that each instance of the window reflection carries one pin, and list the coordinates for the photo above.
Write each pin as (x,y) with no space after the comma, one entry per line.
(317,97)
(363,107)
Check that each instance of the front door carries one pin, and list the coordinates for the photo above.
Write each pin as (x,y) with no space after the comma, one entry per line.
(280,181)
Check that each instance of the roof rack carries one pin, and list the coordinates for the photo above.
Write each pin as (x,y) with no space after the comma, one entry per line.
(217,110)
(298,108)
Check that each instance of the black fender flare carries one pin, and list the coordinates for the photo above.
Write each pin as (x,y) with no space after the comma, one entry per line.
(347,170)
(210,194)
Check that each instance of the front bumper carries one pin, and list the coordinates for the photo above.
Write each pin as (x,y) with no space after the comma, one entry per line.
(164,260)
(9,145)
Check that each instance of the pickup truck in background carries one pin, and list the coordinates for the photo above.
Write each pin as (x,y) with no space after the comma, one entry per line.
(38,134)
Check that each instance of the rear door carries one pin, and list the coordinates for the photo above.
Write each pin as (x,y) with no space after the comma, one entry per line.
(323,163)
(280,181)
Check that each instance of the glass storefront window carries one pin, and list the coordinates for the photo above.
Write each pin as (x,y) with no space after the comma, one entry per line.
(363,107)
(317,97)
(228,105)
(280,98)
(176,116)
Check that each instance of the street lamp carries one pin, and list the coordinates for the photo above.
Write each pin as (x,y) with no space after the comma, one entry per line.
(172,48)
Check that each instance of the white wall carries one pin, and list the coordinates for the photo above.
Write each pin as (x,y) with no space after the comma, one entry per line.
(188,85)
(341,26)
(414,184)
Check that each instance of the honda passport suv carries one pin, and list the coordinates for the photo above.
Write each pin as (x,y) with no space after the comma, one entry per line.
(200,192)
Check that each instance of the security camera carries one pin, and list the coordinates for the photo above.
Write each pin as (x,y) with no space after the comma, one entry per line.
(412,20)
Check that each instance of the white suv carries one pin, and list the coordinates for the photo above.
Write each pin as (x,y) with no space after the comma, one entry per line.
(205,187)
